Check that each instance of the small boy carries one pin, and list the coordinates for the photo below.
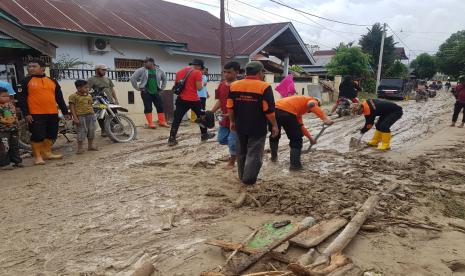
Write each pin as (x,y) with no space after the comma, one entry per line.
(83,114)
(9,142)
(225,135)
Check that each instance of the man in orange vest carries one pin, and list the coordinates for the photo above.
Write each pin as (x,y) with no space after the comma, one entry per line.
(251,106)
(387,112)
(289,112)
(38,99)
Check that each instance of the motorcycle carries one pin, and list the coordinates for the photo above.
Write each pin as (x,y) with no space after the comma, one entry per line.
(65,127)
(119,127)
(431,93)
(343,107)
(421,95)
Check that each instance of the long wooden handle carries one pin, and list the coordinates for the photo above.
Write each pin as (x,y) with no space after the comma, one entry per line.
(316,137)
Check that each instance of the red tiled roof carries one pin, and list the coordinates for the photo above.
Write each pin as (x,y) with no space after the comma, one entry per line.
(244,40)
(400,53)
(143,19)
(324,53)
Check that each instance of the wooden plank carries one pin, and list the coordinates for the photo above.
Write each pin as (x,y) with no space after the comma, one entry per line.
(318,233)
(232,246)
(305,224)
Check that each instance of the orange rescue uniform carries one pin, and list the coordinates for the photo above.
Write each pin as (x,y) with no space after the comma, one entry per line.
(298,105)
(41,95)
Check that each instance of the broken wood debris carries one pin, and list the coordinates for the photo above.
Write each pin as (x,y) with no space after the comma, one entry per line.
(318,233)
(303,225)
(237,250)
(309,235)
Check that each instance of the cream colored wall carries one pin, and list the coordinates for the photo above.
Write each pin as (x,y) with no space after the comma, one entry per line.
(136,109)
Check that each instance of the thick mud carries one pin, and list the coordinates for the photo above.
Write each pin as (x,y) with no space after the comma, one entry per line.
(101,213)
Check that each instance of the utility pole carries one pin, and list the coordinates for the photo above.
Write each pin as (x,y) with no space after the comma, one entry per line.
(222,39)
(380,62)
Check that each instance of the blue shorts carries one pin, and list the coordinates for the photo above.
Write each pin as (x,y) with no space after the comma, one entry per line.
(227,137)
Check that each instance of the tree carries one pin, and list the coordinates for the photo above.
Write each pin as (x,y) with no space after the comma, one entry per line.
(451,55)
(397,70)
(65,61)
(424,66)
(371,43)
(296,68)
(349,61)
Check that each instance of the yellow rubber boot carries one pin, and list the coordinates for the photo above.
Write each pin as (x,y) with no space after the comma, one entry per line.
(376,139)
(385,141)
(47,150)
(36,149)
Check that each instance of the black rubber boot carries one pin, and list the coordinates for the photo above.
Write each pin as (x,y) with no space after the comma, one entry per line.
(207,136)
(172,141)
(274,150)
(295,164)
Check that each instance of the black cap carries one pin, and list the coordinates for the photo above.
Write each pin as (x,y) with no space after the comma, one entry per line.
(197,62)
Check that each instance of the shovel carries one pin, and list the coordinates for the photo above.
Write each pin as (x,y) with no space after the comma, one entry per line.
(356,143)
(316,137)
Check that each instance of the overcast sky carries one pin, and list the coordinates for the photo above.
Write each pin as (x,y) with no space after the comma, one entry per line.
(421,25)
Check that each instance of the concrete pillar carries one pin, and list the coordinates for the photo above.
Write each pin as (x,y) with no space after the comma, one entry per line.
(315,79)
(269,78)
(286,66)
(337,82)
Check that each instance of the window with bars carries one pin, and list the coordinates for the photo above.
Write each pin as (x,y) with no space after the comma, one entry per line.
(123,63)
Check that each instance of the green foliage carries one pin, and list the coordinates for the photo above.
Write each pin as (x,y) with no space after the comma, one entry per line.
(349,61)
(65,61)
(371,43)
(296,68)
(369,85)
(451,55)
(397,70)
(425,66)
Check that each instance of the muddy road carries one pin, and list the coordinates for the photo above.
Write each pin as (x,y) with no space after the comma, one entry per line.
(100,214)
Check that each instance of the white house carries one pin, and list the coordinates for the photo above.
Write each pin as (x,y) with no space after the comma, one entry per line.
(120,33)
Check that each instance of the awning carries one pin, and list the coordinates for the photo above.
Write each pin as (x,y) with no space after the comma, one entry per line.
(287,43)
(15,36)
(9,42)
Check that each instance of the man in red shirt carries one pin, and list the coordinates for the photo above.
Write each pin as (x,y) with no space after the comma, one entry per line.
(225,135)
(459,93)
(189,99)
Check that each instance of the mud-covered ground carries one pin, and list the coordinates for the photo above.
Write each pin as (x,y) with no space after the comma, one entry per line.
(102,213)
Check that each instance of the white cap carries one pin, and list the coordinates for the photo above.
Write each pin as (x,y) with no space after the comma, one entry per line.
(100,66)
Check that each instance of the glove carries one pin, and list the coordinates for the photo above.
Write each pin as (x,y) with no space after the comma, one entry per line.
(364,130)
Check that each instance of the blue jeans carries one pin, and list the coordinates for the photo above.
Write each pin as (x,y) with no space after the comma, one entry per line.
(227,137)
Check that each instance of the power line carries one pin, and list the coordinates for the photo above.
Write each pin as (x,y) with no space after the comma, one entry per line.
(230,35)
(403,31)
(275,14)
(405,44)
(317,16)
(233,12)
(260,21)
(321,25)
(287,18)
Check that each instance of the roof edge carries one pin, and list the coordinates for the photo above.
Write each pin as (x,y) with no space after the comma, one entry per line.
(19,32)
(291,27)
(61,31)
(189,53)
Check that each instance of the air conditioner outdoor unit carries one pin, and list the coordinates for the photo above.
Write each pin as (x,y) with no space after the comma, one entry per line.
(99,45)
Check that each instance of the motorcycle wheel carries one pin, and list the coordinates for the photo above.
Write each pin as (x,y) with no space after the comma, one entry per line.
(24,135)
(120,129)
